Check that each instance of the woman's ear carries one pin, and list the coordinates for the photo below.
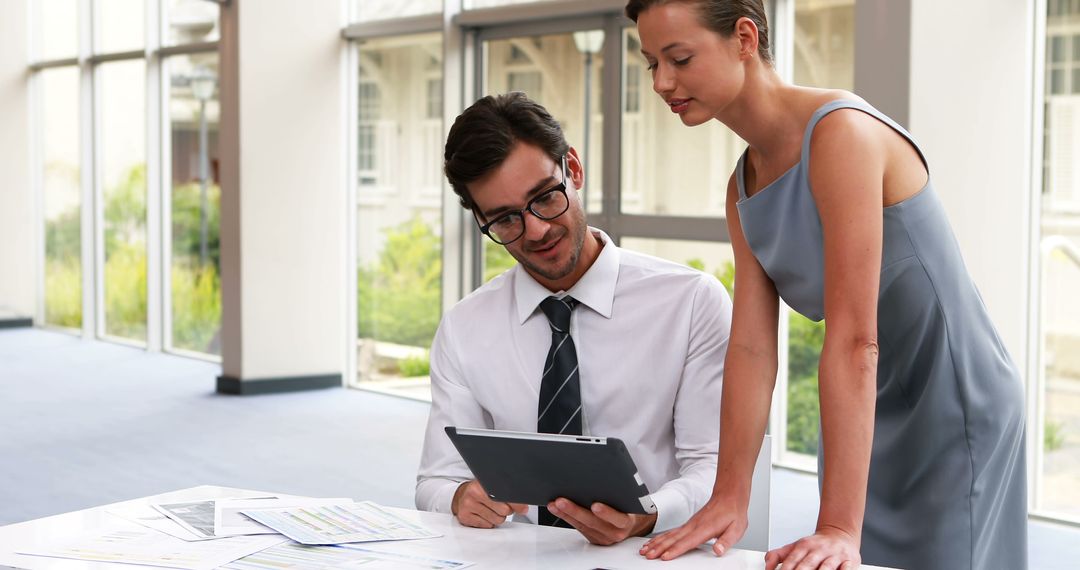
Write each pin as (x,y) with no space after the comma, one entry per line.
(747,33)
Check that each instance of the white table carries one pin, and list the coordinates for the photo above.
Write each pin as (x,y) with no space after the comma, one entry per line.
(513,545)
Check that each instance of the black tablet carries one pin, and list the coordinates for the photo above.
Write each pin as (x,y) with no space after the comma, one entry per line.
(537,468)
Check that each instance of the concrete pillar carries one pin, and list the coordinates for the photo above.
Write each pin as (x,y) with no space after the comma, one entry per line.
(283,211)
(19,225)
(958,74)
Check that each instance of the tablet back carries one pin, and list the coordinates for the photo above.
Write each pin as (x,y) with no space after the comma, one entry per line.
(535,469)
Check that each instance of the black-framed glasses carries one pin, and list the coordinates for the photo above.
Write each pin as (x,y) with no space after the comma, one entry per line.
(548,205)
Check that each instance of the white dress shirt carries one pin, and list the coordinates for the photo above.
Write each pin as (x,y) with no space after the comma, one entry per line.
(651,336)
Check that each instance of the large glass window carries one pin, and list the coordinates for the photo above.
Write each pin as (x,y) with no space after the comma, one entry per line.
(825,43)
(368,10)
(191,21)
(57,25)
(399,209)
(192,148)
(561,72)
(119,25)
(1058,477)
(471,4)
(60,172)
(712,257)
(122,178)
(654,140)
(151,113)
(824,50)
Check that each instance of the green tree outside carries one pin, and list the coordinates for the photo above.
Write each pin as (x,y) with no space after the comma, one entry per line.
(196,289)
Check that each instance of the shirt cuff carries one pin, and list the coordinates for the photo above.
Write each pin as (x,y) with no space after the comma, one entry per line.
(672,509)
(442,499)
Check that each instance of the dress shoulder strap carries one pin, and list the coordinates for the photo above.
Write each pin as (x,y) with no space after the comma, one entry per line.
(740,168)
(831,106)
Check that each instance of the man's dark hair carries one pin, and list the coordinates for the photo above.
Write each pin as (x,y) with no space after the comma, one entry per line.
(485,133)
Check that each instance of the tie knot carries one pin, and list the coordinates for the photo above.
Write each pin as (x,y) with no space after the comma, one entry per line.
(558,312)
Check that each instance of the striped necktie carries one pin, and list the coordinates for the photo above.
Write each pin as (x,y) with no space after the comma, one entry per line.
(559,406)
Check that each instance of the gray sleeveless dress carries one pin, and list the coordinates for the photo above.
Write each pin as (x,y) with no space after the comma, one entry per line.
(947,472)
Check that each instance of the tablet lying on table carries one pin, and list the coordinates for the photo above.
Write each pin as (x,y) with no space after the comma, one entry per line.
(537,468)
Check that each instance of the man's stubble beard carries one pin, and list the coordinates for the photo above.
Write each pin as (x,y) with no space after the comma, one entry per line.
(557,273)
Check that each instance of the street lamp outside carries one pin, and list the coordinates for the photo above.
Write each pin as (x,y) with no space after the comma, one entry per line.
(203,81)
(588,42)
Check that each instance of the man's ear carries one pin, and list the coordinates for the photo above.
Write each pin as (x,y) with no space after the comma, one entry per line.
(575,170)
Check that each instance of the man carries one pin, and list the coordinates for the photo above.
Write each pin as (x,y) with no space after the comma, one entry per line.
(581,337)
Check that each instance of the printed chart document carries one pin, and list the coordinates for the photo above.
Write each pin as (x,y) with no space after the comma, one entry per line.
(294,556)
(228,520)
(341,523)
(145,546)
(150,518)
(195,516)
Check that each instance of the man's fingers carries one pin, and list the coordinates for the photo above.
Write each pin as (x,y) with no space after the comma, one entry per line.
(611,516)
(502,509)
(727,539)
(580,517)
(470,518)
(690,541)
(519,508)
(658,545)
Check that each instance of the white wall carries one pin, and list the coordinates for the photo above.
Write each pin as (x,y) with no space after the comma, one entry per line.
(284,263)
(961,81)
(18,221)
(971,84)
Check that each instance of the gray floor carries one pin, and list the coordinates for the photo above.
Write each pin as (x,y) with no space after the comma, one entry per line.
(84,423)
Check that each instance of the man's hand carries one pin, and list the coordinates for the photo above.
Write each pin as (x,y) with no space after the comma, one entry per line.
(602,524)
(473,507)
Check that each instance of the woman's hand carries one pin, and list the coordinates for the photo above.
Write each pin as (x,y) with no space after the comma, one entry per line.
(720,519)
(827,549)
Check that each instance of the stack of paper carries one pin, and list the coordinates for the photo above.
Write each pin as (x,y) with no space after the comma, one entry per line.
(140,546)
(292,556)
(199,535)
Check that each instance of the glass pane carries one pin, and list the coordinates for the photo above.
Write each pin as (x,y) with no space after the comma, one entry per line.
(56,23)
(59,91)
(805,339)
(1057,82)
(122,159)
(825,44)
(118,25)
(368,10)
(399,209)
(1057,49)
(824,57)
(1061,347)
(191,21)
(561,72)
(471,4)
(653,138)
(195,284)
(715,258)
(1059,342)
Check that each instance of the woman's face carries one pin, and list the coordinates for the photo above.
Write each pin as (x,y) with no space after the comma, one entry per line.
(696,71)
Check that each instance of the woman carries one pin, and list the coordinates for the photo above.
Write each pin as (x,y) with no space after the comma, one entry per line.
(831,208)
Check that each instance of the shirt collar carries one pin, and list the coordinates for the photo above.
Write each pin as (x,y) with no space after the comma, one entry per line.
(595,289)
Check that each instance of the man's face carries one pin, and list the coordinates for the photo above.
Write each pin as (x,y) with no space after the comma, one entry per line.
(549,249)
